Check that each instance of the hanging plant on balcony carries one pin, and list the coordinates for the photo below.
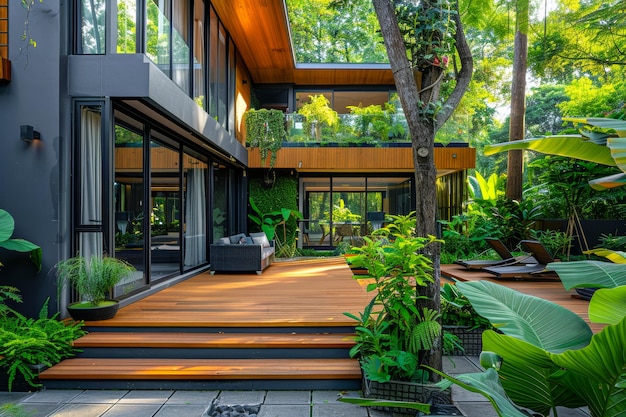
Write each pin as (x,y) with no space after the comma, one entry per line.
(266,131)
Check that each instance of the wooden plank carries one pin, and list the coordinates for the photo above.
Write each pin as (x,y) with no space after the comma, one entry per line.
(307,293)
(176,369)
(5,70)
(214,340)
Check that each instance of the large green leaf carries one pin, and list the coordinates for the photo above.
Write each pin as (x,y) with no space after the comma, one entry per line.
(7,225)
(618,151)
(610,181)
(525,374)
(615,256)
(488,385)
(532,319)
(572,146)
(589,274)
(608,305)
(619,126)
(598,370)
(371,402)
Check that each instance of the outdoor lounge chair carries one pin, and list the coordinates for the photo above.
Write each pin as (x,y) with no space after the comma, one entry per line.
(501,249)
(532,269)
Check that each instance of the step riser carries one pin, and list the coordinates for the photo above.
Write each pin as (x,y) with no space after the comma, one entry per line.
(190,353)
(226,330)
(270,384)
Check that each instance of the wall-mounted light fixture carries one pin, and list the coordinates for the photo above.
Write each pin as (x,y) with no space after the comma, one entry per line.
(300,164)
(29,134)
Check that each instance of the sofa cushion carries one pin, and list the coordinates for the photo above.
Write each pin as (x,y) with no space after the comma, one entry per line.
(224,241)
(234,239)
(246,240)
(260,239)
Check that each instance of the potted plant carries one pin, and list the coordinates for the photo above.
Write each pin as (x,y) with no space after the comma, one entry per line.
(462,325)
(93,279)
(392,335)
(265,129)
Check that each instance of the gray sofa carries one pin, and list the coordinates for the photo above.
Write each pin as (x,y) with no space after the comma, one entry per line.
(241,253)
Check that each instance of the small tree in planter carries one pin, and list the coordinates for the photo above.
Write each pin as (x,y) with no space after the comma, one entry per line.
(393,334)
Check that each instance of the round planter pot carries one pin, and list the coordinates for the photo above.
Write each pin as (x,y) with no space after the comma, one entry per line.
(88,312)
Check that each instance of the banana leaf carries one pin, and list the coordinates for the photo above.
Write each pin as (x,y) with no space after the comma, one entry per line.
(596,371)
(488,385)
(370,402)
(573,146)
(525,374)
(534,320)
(615,256)
(619,126)
(610,181)
(589,274)
(608,305)
(618,151)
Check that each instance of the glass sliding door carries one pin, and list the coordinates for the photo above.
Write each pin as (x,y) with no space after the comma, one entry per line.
(349,209)
(129,204)
(195,180)
(165,214)
(220,201)
(317,208)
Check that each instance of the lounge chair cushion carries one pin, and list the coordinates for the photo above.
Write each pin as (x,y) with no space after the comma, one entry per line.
(260,238)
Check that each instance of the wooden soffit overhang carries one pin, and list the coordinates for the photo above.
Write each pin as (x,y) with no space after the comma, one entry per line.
(260,30)
(358,159)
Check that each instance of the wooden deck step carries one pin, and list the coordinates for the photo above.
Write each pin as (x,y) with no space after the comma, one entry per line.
(213,340)
(171,369)
(203,374)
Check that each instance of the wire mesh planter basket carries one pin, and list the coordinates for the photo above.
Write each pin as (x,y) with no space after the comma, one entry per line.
(471,340)
(425,393)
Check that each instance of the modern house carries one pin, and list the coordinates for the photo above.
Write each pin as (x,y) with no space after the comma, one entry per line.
(122,132)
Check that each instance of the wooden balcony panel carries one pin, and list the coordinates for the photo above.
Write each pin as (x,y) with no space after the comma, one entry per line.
(363,159)
(5,69)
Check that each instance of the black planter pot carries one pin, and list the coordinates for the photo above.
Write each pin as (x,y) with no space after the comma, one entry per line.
(96,313)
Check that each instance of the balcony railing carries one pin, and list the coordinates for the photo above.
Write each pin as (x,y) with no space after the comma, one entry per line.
(352,129)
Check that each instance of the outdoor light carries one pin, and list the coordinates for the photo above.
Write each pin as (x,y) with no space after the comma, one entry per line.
(28,134)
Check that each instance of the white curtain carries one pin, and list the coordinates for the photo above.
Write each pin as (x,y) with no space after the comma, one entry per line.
(90,244)
(195,219)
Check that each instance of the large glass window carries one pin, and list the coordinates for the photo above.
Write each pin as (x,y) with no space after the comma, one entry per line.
(199,54)
(220,201)
(213,61)
(126,26)
(344,209)
(158,33)
(91,18)
(181,65)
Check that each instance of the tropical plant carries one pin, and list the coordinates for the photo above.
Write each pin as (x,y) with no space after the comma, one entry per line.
(265,129)
(318,114)
(393,333)
(29,342)
(545,343)
(93,278)
(600,140)
(268,222)
(376,121)
(7,226)
(456,310)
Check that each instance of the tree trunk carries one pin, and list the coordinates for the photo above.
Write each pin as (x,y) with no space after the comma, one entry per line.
(422,128)
(518,102)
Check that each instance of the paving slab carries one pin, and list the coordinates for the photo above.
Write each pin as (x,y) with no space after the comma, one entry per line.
(146,397)
(285,411)
(52,396)
(288,397)
(35,409)
(194,410)
(332,397)
(132,410)
(81,410)
(99,397)
(347,410)
(241,397)
(192,398)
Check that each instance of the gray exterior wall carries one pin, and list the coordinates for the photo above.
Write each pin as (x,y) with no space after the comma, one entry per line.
(35,179)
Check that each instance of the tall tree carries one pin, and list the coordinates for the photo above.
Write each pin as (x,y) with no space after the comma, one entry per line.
(518,100)
(421,38)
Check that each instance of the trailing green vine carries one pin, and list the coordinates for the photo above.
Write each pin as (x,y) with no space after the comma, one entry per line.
(266,131)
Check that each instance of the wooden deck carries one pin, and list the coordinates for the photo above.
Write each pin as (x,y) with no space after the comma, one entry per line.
(313,292)
(551,290)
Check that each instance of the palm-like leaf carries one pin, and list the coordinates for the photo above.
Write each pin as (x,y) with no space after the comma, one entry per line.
(572,146)
(488,385)
(618,151)
(589,274)
(607,182)
(619,126)
(525,374)
(615,256)
(595,371)
(532,319)
(608,305)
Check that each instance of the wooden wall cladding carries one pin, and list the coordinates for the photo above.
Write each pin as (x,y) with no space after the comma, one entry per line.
(362,159)
(5,64)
